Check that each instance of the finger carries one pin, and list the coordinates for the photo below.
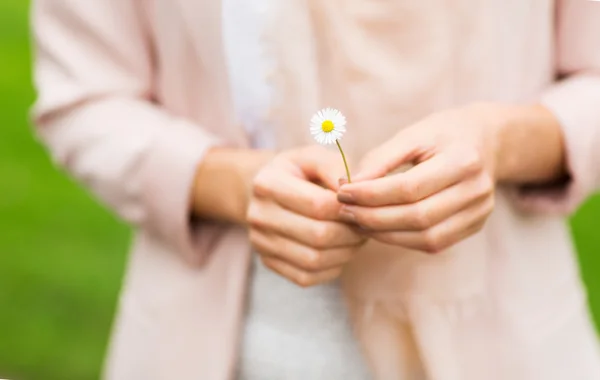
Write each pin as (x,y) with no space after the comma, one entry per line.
(297,255)
(419,182)
(296,194)
(424,214)
(314,233)
(299,277)
(320,165)
(387,157)
(444,234)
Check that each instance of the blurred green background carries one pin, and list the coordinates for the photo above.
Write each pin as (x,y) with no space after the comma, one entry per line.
(62,255)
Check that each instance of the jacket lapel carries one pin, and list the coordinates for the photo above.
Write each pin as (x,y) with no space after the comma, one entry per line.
(202,21)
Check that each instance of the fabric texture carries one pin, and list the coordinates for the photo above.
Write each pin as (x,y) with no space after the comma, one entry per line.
(389,64)
(132,94)
(294,333)
(289,332)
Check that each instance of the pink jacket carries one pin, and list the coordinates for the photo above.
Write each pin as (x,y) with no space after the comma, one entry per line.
(132,93)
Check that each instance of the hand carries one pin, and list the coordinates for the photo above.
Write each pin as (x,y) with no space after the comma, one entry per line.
(223,183)
(294,223)
(445,197)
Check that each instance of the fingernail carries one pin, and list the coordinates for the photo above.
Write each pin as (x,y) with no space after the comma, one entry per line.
(346,215)
(344,197)
(342,181)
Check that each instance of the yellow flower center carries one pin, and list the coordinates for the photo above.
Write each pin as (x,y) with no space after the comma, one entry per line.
(327,126)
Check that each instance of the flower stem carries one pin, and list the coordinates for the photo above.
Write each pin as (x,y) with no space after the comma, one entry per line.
(345,162)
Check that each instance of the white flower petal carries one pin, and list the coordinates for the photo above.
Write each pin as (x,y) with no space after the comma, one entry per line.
(339,126)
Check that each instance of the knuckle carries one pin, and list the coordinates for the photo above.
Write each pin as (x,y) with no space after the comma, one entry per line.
(304,280)
(313,260)
(369,220)
(253,215)
(408,191)
(366,218)
(321,236)
(432,242)
(421,217)
(361,218)
(268,262)
(472,162)
(482,188)
(486,184)
(260,184)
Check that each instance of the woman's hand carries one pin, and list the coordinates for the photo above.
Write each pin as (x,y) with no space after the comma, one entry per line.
(223,183)
(458,157)
(294,223)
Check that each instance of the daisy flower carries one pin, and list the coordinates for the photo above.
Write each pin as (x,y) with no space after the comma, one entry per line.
(327,127)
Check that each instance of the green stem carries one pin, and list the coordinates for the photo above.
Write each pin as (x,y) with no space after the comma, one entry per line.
(345,162)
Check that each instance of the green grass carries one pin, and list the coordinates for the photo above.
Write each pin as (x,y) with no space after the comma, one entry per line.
(62,255)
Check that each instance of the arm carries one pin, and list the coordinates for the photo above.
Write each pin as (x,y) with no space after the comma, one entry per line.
(222,184)
(549,153)
(575,103)
(528,143)
(94,76)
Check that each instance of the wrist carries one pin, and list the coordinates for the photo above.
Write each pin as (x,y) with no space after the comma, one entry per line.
(490,122)
(222,184)
(526,143)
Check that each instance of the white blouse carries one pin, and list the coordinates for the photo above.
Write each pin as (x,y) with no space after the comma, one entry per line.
(248,68)
(290,333)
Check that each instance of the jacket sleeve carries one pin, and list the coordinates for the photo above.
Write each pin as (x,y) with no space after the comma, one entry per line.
(575,101)
(93,72)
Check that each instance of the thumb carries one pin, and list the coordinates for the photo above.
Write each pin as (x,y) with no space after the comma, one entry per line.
(332,173)
(385,159)
(321,166)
